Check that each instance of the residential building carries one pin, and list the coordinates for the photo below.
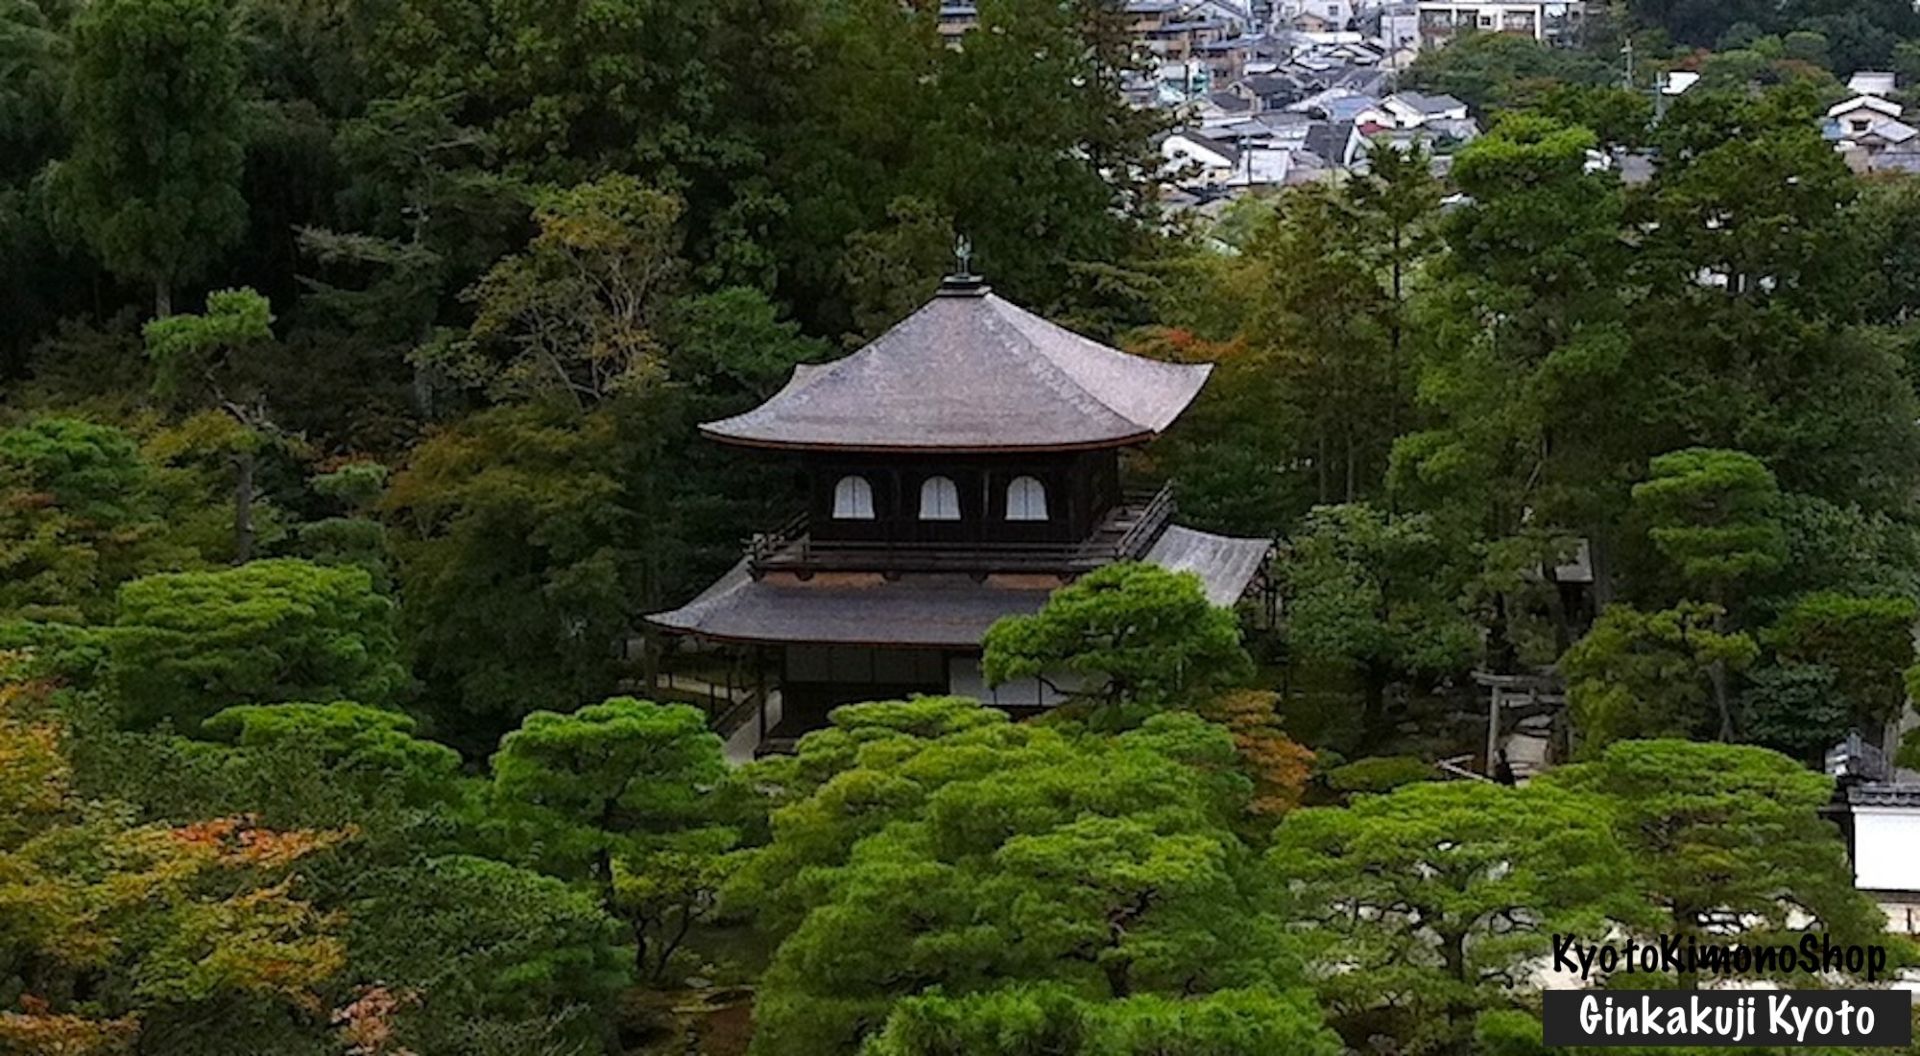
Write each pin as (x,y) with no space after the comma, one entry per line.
(1550,21)
(1858,115)
(1195,160)
(1872,82)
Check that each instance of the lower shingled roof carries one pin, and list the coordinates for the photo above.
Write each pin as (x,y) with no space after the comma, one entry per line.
(928,610)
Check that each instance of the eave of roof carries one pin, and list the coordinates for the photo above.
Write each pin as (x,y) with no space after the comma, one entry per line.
(1884,794)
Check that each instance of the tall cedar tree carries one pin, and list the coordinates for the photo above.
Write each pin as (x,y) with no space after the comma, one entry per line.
(154,177)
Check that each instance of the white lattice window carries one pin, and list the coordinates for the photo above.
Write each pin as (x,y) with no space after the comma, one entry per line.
(853,499)
(1026,500)
(939,500)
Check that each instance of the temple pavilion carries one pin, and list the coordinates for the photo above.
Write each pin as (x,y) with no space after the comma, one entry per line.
(959,468)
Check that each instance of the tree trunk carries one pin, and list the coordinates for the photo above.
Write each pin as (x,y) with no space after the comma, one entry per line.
(1320,468)
(1350,468)
(673,944)
(162,298)
(1557,614)
(242,507)
(1374,707)
(1393,340)
(1599,558)
(1717,674)
(1453,956)
(1503,657)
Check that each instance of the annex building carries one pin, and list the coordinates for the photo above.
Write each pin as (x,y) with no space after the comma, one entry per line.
(960,468)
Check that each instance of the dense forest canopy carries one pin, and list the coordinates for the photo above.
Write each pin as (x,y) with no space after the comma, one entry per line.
(352,358)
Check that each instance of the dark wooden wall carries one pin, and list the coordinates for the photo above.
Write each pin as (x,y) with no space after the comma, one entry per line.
(1081,487)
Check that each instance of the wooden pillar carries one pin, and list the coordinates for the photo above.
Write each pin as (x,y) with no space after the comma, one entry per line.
(760,677)
(1493,727)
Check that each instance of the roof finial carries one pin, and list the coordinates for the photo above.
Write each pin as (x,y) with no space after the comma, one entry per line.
(963,282)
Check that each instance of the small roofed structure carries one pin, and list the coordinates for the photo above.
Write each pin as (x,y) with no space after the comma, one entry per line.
(960,468)
(1876,805)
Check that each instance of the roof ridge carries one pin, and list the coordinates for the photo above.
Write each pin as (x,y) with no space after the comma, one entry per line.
(1057,377)
(1019,318)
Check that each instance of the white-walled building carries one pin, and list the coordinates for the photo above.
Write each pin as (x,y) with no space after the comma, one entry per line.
(1872,82)
(1313,15)
(1196,160)
(1877,807)
(1543,20)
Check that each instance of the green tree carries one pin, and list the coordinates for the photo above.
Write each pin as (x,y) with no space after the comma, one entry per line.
(1618,117)
(1489,71)
(933,844)
(890,271)
(1127,634)
(367,751)
(1327,326)
(1852,549)
(1701,23)
(1031,144)
(1052,1019)
(558,93)
(154,176)
(1653,674)
(1241,454)
(1370,592)
(1750,241)
(618,795)
(1431,900)
(1396,203)
(1867,643)
(82,515)
(354,535)
(1807,46)
(1526,320)
(185,645)
(522,554)
(576,316)
(480,942)
(1710,513)
(1889,210)
(204,361)
(1795,709)
(732,348)
(184,935)
(1308,322)
(1728,840)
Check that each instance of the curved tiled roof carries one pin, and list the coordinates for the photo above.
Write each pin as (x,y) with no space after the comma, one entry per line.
(971,372)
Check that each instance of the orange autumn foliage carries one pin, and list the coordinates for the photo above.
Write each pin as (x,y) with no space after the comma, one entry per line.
(367,1023)
(165,917)
(1279,766)
(37,1031)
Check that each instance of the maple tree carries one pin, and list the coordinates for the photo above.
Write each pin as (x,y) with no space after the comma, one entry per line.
(1279,765)
(112,928)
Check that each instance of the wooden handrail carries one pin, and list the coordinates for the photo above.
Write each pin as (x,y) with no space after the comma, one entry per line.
(793,546)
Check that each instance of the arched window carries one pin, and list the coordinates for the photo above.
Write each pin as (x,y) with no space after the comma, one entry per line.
(939,500)
(1026,500)
(853,499)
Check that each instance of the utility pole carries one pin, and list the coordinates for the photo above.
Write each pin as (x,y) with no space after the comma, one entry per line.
(1627,50)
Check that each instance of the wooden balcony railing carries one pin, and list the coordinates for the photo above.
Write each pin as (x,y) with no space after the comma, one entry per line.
(1126,532)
